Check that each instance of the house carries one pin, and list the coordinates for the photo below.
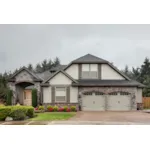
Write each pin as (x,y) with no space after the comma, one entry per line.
(90,82)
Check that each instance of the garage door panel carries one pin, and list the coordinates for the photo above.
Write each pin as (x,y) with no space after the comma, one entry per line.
(93,102)
(119,102)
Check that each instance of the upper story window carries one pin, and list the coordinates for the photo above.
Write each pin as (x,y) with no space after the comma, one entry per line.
(89,71)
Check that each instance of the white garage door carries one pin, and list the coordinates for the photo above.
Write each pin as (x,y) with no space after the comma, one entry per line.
(119,101)
(93,102)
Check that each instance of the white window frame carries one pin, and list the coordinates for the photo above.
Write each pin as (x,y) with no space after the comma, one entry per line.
(60,96)
(89,72)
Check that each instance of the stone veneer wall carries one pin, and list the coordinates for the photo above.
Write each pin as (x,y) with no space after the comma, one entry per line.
(106,90)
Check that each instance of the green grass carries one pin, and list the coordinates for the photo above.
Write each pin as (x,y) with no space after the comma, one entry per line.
(48,116)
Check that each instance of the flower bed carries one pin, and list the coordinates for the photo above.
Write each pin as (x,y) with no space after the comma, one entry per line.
(61,109)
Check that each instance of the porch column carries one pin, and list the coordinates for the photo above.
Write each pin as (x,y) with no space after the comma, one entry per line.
(38,87)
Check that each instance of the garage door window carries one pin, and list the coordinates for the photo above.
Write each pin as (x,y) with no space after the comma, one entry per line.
(60,94)
(99,93)
(124,93)
(88,93)
(113,93)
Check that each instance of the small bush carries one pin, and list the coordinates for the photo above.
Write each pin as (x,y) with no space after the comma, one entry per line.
(4,112)
(61,109)
(49,106)
(68,110)
(18,112)
(41,108)
(73,108)
(30,111)
(65,108)
(55,108)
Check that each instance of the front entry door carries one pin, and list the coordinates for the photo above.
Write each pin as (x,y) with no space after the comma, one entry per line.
(27,97)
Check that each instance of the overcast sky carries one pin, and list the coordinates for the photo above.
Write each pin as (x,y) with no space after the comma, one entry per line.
(120,44)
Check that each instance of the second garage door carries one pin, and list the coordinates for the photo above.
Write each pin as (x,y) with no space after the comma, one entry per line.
(119,101)
(93,102)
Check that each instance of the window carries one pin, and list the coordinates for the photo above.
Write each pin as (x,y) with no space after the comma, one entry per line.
(89,71)
(60,94)
(88,93)
(124,93)
(99,93)
(113,93)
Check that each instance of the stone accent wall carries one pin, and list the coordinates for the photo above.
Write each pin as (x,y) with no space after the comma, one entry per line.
(24,76)
(106,90)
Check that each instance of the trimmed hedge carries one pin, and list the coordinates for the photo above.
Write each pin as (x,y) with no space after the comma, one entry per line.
(34,98)
(4,112)
(16,112)
(30,111)
(9,97)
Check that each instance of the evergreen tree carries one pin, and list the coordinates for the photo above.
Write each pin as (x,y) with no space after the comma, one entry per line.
(30,67)
(56,62)
(38,68)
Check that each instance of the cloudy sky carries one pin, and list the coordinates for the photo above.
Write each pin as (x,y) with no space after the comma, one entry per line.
(120,44)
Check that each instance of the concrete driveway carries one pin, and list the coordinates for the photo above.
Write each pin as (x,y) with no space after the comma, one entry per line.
(110,116)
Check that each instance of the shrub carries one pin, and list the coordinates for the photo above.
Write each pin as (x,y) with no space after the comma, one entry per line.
(68,110)
(34,97)
(9,97)
(30,111)
(41,108)
(73,108)
(18,112)
(51,109)
(61,109)
(55,108)
(65,108)
(4,112)
(49,106)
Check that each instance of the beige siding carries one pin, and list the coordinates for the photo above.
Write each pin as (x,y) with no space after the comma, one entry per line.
(73,95)
(47,95)
(109,73)
(73,71)
(139,95)
(60,79)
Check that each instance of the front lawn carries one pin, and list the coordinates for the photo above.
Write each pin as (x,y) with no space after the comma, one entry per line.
(48,116)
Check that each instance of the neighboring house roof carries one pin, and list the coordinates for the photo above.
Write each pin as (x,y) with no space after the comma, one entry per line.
(44,75)
(61,72)
(95,82)
(30,72)
(60,67)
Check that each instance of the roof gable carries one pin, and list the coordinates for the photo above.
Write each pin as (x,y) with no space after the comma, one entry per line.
(27,70)
(67,75)
(89,59)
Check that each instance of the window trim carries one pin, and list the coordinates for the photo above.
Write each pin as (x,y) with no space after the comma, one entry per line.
(60,96)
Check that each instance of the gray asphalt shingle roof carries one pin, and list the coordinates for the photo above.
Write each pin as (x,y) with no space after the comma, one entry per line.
(89,59)
(96,82)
